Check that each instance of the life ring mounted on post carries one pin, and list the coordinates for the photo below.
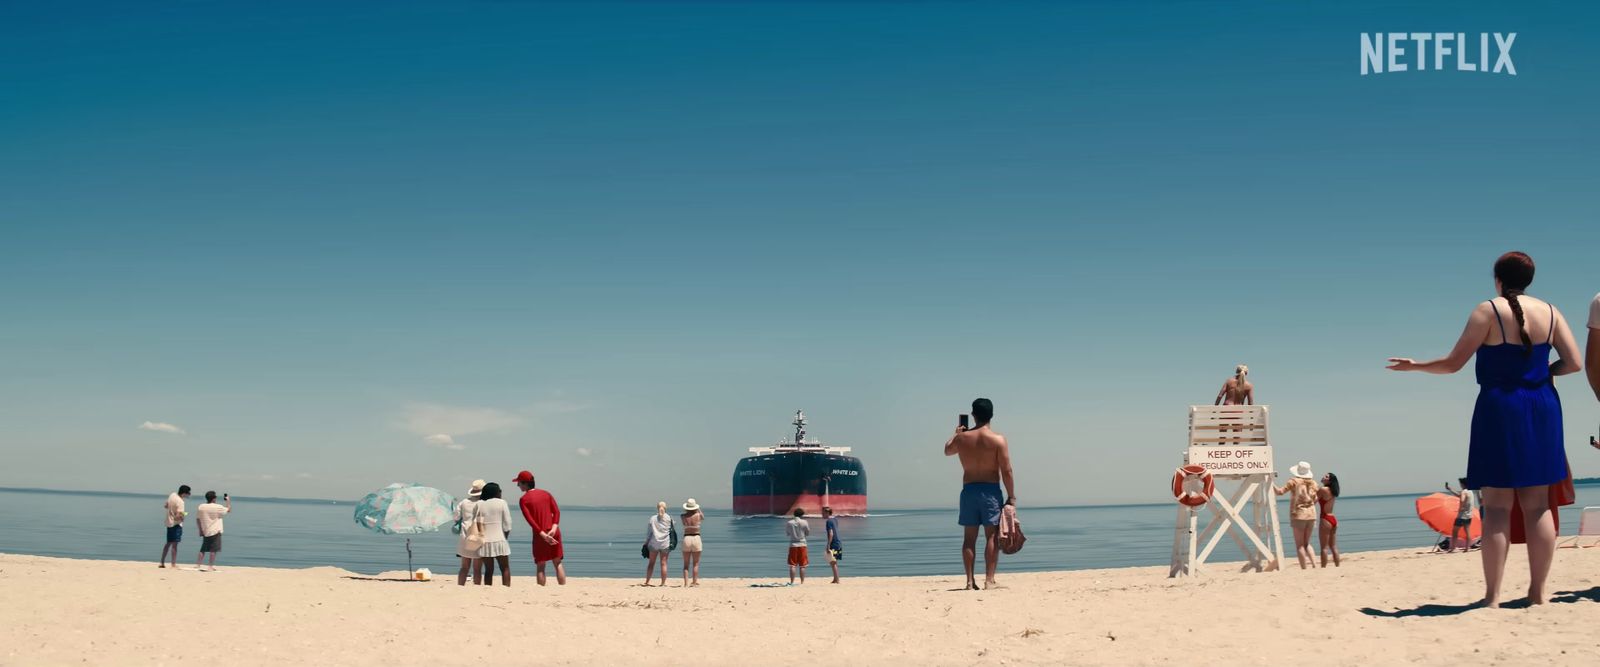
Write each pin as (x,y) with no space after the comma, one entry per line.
(1184,483)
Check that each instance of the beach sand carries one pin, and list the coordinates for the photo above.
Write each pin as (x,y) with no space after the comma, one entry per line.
(1390,607)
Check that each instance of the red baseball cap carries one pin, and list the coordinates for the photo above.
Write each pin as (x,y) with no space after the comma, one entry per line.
(523,476)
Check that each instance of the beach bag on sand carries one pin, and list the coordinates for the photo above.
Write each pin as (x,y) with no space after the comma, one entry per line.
(1011,537)
(472,536)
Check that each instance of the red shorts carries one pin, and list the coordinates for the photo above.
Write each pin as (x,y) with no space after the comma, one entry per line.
(799,556)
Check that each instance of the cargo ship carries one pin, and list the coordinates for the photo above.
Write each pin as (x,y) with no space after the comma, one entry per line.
(776,479)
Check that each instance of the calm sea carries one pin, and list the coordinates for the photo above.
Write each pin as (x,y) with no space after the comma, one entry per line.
(604,542)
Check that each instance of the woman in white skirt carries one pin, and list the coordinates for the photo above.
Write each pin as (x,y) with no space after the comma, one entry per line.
(496,517)
(465,514)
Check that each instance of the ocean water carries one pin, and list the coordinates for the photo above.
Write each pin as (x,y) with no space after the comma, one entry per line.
(604,542)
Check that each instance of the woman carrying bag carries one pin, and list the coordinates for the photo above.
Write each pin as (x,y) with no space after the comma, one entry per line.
(661,536)
(471,539)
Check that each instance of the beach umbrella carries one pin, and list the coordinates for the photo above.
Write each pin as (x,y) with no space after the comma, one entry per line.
(405,509)
(1438,510)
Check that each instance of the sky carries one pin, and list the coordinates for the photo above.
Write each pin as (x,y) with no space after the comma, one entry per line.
(307,249)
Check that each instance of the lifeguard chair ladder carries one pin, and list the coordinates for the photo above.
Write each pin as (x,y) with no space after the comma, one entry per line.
(1233,443)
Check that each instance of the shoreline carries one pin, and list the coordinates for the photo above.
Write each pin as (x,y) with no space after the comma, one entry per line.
(1382,607)
(525,567)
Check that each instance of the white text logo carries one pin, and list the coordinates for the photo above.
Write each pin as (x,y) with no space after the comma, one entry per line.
(1401,51)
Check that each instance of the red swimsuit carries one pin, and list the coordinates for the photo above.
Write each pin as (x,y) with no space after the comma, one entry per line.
(1332,522)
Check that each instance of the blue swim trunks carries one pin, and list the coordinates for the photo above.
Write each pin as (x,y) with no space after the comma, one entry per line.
(980,504)
(174,533)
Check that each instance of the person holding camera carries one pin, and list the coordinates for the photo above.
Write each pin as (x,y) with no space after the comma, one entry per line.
(208,518)
(985,464)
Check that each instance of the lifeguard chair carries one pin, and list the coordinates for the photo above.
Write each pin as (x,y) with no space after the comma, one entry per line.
(1232,444)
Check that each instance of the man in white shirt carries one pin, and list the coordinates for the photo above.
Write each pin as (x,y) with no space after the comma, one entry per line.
(1592,357)
(175,516)
(209,518)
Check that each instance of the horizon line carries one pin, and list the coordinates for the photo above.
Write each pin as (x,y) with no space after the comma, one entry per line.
(331,501)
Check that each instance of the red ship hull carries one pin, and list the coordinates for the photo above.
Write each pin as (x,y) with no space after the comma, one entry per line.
(784,504)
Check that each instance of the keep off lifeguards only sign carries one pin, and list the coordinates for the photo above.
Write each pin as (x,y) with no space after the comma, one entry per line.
(1232,459)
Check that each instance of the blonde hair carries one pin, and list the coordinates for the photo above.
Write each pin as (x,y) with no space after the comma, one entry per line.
(1241,370)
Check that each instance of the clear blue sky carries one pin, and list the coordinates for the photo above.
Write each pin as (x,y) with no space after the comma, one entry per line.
(618,244)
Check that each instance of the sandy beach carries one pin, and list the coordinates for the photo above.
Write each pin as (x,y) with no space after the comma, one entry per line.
(1380,608)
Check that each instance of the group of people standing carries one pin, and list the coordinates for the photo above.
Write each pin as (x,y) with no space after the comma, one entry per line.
(483,520)
(661,539)
(1310,501)
(1516,457)
(1311,505)
(207,519)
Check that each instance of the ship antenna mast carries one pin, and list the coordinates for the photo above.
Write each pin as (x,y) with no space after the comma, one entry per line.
(799,427)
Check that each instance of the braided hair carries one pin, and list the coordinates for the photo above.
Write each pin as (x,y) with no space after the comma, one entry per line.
(1514,270)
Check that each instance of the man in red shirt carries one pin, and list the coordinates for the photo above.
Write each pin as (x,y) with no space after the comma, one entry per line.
(544,516)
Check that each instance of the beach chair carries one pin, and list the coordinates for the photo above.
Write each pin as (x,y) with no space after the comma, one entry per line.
(1588,527)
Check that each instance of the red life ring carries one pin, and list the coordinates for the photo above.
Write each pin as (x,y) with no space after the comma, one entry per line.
(1193,498)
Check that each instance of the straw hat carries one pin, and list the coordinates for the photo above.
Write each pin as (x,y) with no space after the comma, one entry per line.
(691,506)
(476,490)
(1301,470)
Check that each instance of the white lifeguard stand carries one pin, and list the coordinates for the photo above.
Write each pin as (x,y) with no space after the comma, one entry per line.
(1232,442)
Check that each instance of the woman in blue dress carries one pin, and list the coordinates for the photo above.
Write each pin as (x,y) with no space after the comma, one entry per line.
(1516,450)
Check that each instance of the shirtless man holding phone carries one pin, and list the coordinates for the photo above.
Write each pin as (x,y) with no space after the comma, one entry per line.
(985,465)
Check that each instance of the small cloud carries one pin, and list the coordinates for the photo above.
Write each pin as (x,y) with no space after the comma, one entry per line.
(268,478)
(443,440)
(162,427)
(429,419)
(558,407)
(302,475)
(583,451)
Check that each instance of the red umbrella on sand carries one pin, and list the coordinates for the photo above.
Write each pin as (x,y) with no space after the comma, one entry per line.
(1439,510)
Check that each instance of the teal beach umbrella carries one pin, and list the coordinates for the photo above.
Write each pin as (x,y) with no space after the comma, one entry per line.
(405,509)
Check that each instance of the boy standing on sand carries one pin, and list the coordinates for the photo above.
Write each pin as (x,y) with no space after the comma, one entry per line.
(798,529)
(1469,503)
(835,548)
(543,515)
(985,463)
(175,516)
(208,518)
